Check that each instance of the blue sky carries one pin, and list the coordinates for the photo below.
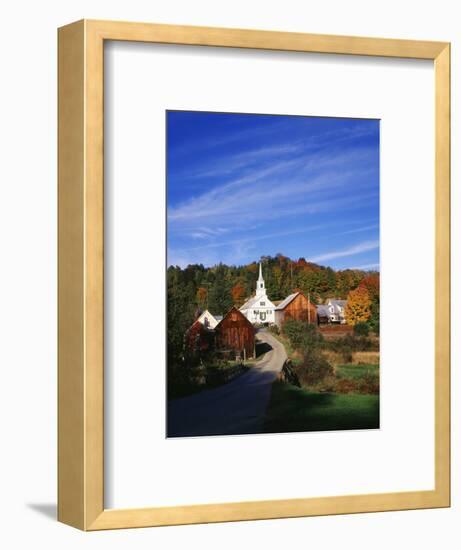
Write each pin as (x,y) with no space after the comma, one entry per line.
(242,186)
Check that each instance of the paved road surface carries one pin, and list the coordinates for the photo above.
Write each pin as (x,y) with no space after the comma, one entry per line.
(237,407)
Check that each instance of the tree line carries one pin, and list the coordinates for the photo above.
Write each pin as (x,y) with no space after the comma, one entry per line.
(196,288)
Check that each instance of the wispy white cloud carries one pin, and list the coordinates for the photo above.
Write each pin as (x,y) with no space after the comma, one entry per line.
(268,125)
(283,189)
(208,232)
(305,149)
(350,251)
(360,229)
(242,161)
(261,237)
(274,126)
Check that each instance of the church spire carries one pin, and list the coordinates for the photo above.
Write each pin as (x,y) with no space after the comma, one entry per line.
(260,285)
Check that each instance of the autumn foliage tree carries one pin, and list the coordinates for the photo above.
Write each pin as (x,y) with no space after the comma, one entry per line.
(202,297)
(358,307)
(238,294)
(371,283)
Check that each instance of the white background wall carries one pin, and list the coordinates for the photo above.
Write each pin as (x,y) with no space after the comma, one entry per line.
(28,274)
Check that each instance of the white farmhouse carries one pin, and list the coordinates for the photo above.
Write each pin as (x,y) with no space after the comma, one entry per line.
(336,309)
(259,309)
(209,320)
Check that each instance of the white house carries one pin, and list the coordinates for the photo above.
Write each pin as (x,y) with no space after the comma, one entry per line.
(259,309)
(209,320)
(336,310)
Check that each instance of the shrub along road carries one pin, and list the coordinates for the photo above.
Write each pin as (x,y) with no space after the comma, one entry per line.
(238,407)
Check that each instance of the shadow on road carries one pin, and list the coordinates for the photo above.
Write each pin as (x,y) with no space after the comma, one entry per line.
(262,348)
(237,407)
(228,410)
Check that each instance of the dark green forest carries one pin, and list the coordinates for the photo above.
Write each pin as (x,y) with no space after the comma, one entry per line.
(217,288)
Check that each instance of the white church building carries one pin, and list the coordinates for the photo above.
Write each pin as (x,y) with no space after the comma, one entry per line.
(259,309)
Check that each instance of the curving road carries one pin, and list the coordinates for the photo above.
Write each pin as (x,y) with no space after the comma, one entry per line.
(237,407)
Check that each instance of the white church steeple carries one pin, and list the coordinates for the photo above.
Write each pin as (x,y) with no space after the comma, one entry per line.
(260,285)
(259,309)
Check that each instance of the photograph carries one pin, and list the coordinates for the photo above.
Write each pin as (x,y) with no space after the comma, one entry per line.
(273,273)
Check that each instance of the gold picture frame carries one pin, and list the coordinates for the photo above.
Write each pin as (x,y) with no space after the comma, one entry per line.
(81,268)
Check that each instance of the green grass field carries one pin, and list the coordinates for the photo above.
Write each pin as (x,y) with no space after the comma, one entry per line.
(356,372)
(293,409)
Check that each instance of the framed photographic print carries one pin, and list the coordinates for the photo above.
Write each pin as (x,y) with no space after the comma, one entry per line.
(291,182)
(241,217)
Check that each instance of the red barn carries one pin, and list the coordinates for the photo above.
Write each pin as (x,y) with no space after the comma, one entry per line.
(295,306)
(236,333)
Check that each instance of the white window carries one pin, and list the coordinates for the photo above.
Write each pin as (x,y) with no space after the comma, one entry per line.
(262,303)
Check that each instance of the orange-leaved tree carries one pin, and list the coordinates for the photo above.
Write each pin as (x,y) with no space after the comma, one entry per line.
(238,294)
(202,297)
(358,307)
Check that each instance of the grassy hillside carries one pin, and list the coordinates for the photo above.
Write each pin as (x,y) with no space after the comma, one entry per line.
(293,409)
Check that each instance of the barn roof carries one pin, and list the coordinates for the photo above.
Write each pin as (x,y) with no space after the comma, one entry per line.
(233,308)
(283,304)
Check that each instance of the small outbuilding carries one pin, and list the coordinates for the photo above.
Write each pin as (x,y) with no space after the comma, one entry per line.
(209,320)
(295,306)
(235,333)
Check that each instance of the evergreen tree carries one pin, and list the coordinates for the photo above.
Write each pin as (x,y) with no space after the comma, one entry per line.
(220,297)
(180,314)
